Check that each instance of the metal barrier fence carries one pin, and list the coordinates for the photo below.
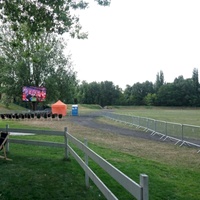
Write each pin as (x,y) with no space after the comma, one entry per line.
(182,134)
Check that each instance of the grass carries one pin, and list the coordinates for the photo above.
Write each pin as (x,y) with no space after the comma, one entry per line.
(11,107)
(166,181)
(170,114)
(41,172)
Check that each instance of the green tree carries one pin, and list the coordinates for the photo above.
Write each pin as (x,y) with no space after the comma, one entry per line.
(30,52)
(32,62)
(127,95)
(51,16)
(89,93)
(103,93)
(166,95)
(195,79)
(62,83)
(136,94)
(150,99)
(107,93)
(159,80)
(179,93)
(82,92)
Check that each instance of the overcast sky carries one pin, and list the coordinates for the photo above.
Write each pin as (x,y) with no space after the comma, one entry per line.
(132,40)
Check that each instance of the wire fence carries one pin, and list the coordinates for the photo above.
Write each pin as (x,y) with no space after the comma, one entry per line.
(181,134)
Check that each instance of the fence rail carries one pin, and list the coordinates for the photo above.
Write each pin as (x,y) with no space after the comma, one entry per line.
(139,191)
(182,134)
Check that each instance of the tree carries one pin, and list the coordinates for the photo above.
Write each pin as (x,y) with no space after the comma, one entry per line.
(51,16)
(36,61)
(32,45)
(150,99)
(127,95)
(159,80)
(89,93)
(195,79)
(137,93)
(108,95)
(94,93)
(166,95)
(62,83)
(179,93)
(103,93)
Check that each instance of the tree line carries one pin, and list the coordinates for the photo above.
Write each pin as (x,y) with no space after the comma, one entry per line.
(32,47)
(32,53)
(181,92)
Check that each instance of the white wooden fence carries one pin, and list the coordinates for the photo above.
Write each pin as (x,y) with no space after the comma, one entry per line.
(139,191)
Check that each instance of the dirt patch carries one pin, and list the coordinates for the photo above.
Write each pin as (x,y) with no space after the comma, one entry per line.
(95,123)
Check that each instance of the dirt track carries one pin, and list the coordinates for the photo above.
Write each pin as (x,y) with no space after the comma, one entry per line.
(93,122)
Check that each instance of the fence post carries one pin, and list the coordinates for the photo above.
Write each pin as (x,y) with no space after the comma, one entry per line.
(86,162)
(66,144)
(139,121)
(144,183)
(7,143)
(182,132)
(166,128)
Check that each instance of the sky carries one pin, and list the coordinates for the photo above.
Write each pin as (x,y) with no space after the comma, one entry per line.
(133,40)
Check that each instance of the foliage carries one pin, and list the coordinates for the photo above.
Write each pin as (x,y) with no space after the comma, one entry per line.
(181,92)
(150,99)
(45,15)
(159,80)
(136,94)
(103,93)
(37,61)
(31,50)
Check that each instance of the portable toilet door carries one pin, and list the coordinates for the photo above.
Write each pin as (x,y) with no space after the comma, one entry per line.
(74,110)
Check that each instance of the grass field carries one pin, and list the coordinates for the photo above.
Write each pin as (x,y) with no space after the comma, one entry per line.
(170,114)
(41,172)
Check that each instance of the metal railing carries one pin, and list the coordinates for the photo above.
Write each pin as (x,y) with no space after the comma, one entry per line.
(182,134)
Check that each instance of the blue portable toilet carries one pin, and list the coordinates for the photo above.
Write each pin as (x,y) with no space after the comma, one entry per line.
(74,110)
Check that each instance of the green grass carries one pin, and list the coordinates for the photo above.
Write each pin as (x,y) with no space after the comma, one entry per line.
(16,124)
(42,173)
(166,181)
(169,114)
(90,106)
(11,107)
